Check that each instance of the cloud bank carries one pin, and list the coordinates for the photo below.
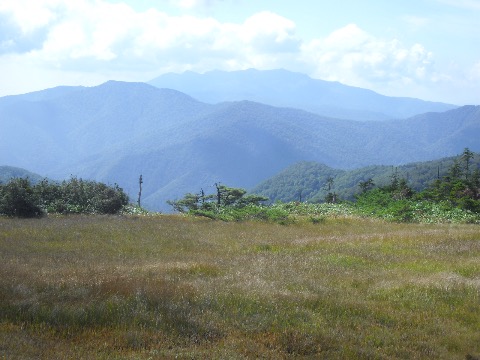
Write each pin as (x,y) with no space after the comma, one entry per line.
(95,39)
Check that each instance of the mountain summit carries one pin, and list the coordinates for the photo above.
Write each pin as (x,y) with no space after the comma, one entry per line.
(290,89)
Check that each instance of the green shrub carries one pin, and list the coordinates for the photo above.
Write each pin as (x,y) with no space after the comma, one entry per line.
(250,212)
(76,196)
(17,198)
(132,209)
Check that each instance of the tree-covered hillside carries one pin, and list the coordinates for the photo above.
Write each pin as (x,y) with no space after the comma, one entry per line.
(310,181)
(9,172)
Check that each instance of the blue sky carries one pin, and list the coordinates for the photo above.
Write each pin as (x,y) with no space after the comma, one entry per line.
(428,49)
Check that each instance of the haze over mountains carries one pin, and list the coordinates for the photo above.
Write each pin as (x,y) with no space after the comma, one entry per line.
(116,131)
(289,89)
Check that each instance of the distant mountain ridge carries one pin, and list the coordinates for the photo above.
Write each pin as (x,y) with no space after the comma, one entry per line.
(116,131)
(284,88)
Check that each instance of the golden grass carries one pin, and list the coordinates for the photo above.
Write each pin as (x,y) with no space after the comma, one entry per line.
(113,287)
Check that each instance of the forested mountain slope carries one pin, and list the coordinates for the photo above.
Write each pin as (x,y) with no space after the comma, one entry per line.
(310,181)
(116,131)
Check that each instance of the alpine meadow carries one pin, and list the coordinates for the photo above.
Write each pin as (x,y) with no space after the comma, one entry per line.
(170,286)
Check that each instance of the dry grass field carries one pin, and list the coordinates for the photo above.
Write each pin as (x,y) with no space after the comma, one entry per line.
(164,287)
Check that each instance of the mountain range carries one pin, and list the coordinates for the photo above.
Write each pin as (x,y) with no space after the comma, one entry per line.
(290,89)
(116,131)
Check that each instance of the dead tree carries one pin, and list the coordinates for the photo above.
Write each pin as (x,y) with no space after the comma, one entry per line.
(140,182)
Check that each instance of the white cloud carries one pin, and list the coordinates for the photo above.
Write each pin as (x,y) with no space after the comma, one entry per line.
(86,31)
(350,37)
(88,39)
(352,56)
(267,31)
(30,15)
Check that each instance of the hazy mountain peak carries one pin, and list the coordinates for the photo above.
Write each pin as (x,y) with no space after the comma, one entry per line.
(284,88)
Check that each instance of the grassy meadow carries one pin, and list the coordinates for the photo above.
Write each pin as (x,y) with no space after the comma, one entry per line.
(171,286)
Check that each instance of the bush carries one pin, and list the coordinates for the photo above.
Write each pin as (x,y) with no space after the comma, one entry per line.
(76,196)
(250,212)
(132,209)
(17,198)
(226,197)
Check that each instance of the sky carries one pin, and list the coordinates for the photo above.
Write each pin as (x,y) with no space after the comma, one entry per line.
(428,49)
